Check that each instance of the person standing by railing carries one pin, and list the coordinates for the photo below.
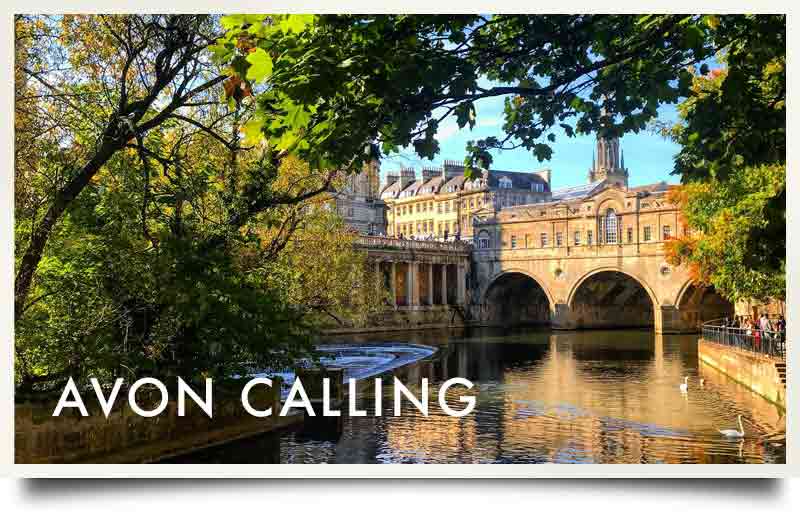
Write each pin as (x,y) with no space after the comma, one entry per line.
(780,329)
(766,331)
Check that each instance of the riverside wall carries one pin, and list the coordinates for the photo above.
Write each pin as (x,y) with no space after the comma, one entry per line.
(755,371)
(126,437)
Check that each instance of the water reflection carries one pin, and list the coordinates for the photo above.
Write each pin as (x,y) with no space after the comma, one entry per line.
(566,397)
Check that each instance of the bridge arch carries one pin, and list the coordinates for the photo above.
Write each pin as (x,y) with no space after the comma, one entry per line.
(516,297)
(610,297)
(697,304)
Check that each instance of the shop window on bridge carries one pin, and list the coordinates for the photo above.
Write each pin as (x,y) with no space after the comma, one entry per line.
(577,238)
(589,239)
(559,239)
(665,232)
(630,234)
(647,233)
(543,239)
(610,223)
(513,241)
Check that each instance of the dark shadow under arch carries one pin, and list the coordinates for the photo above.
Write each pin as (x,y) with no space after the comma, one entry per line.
(515,299)
(698,304)
(611,299)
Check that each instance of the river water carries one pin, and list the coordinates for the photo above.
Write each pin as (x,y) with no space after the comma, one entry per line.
(542,397)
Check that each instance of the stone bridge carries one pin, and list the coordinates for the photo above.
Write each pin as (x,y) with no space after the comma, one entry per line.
(567,287)
(597,286)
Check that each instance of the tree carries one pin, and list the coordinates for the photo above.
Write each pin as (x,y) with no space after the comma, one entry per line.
(149,239)
(732,162)
(121,77)
(341,82)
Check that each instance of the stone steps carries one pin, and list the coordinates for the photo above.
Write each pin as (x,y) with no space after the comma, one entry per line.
(781,368)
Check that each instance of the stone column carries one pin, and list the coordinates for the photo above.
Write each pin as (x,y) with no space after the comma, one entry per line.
(410,271)
(413,268)
(393,284)
(461,285)
(430,283)
(444,284)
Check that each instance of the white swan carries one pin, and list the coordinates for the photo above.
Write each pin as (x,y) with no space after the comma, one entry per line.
(734,433)
(685,385)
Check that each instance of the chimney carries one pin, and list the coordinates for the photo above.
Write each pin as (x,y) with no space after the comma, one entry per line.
(407,176)
(429,173)
(391,178)
(453,168)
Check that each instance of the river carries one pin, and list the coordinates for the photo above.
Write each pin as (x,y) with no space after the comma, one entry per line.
(542,397)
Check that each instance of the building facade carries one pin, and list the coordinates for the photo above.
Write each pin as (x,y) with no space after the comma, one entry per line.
(359,203)
(442,202)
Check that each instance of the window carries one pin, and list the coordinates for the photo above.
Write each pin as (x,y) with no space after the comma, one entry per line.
(577,238)
(446,206)
(513,241)
(471,203)
(559,239)
(665,232)
(630,234)
(439,208)
(543,239)
(647,233)
(505,183)
(611,227)
(483,240)
(589,237)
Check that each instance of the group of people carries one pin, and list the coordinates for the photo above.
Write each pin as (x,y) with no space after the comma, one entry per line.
(761,330)
(431,237)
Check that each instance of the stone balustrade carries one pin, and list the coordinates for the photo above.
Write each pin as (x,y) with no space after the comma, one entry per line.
(382,242)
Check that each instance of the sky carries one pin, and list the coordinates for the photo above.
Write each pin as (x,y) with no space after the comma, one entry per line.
(648,156)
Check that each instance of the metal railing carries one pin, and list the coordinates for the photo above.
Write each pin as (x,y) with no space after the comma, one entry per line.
(765,342)
(411,244)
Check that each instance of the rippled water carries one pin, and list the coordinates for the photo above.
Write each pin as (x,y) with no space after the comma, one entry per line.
(565,397)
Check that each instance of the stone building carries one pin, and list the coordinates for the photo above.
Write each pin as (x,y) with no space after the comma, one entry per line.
(590,255)
(441,203)
(359,201)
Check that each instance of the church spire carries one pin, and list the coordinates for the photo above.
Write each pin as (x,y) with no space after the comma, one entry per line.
(608,162)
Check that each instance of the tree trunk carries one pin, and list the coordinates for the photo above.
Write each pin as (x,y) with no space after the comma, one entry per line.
(41,233)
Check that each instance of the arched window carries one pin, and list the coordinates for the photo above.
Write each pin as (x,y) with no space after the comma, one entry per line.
(484,240)
(611,227)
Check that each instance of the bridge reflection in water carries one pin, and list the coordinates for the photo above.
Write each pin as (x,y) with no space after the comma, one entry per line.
(570,397)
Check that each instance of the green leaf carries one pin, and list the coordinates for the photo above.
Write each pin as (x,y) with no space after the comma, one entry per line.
(296,22)
(260,65)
